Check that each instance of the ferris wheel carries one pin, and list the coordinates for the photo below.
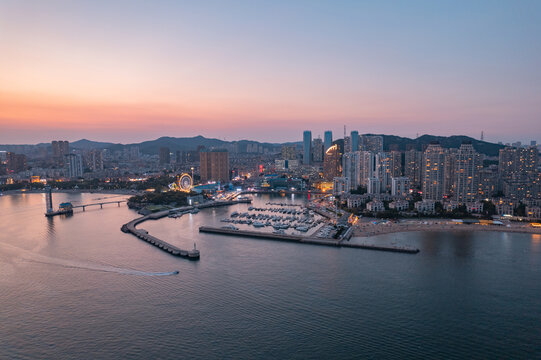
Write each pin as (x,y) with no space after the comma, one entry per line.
(184,182)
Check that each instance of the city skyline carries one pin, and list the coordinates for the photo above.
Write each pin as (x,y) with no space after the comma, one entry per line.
(107,72)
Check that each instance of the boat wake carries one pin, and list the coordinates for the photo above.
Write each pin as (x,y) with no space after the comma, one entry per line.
(76,264)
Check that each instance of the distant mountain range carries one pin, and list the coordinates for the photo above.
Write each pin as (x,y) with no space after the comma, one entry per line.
(390,142)
(420,143)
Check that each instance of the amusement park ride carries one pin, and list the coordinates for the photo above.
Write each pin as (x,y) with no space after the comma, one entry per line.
(184,182)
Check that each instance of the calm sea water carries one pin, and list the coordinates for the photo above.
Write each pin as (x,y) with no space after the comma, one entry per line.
(78,288)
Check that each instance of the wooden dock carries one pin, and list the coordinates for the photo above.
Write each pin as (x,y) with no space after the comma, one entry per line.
(303,240)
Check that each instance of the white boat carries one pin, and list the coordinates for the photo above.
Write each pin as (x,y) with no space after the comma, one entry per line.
(230,227)
(258,224)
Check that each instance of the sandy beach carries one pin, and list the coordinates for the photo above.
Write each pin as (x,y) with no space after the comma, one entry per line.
(368,229)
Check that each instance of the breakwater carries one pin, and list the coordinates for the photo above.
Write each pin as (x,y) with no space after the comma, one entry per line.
(142,234)
(303,240)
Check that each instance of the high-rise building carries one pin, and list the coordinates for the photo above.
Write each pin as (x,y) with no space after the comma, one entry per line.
(367,167)
(518,162)
(214,166)
(373,143)
(412,167)
(449,171)
(15,162)
(347,144)
(94,159)
(383,170)
(289,152)
(488,181)
(59,149)
(400,186)
(351,168)
(396,163)
(73,165)
(341,186)
(433,171)
(468,166)
(331,163)
(327,140)
(317,150)
(307,147)
(165,156)
(373,185)
(354,141)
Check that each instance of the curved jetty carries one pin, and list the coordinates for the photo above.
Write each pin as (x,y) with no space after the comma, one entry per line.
(165,246)
(303,240)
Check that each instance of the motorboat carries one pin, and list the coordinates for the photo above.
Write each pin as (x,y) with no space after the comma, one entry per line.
(230,227)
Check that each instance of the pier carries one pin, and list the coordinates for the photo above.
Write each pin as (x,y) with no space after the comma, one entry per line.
(303,240)
(100,204)
(67,208)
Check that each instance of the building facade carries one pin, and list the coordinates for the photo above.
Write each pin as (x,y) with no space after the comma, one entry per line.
(307,147)
(73,165)
(468,166)
(332,163)
(433,171)
(214,166)
(327,140)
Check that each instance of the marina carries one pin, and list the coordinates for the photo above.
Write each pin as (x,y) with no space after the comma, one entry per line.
(278,217)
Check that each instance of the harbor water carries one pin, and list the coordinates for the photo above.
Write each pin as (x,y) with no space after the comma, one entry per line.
(76,287)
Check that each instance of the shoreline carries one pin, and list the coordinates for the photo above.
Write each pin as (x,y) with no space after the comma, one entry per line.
(376,230)
(74,191)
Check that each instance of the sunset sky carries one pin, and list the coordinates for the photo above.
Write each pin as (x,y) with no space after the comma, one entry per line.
(127,71)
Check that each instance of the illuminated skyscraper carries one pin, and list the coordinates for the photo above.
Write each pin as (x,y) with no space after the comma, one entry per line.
(518,162)
(412,167)
(307,147)
(433,171)
(383,170)
(468,166)
(331,163)
(396,163)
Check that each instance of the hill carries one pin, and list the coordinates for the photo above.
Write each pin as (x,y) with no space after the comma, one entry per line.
(390,142)
(420,143)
